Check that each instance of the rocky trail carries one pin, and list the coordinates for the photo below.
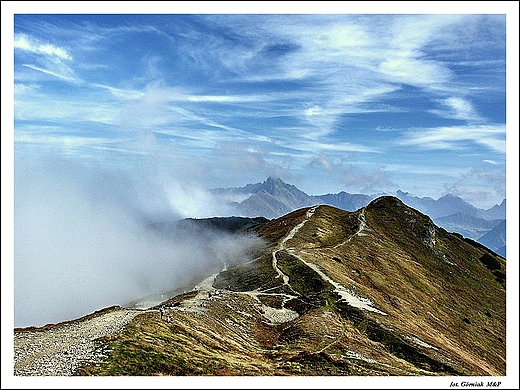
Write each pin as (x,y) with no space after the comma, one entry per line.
(61,349)
(65,347)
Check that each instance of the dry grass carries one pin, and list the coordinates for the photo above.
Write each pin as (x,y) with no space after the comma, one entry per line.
(445,309)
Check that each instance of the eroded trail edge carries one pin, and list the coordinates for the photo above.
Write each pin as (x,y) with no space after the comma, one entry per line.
(61,350)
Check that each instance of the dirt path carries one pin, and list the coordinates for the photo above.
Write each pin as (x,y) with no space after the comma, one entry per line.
(62,349)
(346,294)
(362,227)
(283,245)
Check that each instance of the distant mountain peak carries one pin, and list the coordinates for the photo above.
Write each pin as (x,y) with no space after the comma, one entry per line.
(274,179)
(272,183)
(273,198)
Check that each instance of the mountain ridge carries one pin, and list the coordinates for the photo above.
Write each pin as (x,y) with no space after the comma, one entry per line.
(378,291)
(274,198)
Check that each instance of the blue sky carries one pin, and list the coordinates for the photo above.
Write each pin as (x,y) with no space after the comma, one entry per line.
(329,102)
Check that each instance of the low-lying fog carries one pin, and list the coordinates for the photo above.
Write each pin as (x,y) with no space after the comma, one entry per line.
(82,239)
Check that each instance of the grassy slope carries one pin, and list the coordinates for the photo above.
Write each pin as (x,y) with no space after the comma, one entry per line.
(437,292)
(443,295)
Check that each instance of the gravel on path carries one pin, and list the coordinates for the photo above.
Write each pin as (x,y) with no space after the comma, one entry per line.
(62,349)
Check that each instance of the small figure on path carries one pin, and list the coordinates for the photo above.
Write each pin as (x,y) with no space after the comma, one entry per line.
(161,310)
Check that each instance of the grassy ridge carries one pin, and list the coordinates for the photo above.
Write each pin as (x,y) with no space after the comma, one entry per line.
(444,300)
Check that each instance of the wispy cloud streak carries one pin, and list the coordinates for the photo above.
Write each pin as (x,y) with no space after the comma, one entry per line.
(489,136)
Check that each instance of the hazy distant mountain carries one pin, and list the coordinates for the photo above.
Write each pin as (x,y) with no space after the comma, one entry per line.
(265,204)
(495,212)
(274,198)
(425,204)
(495,239)
(467,225)
(344,200)
(381,291)
(455,215)
(444,206)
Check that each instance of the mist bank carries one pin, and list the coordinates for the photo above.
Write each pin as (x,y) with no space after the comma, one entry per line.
(83,241)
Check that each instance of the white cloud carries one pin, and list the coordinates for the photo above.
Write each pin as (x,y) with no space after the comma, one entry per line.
(57,140)
(42,57)
(83,239)
(378,180)
(409,69)
(25,89)
(335,66)
(490,136)
(37,104)
(49,72)
(316,110)
(26,43)
(323,162)
(424,170)
(352,61)
(458,108)
(119,93)
(492,162)
(224,98)
(480,187)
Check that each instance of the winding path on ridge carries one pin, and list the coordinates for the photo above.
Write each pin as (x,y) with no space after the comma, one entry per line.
(60,350)
(347,295)
(362,227)
(282,245)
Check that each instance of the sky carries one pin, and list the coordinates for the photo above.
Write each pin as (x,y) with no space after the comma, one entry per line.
(114,117)
(327,102)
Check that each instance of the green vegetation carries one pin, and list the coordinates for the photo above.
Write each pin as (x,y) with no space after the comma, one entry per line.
(392,341)
(500,277)
(258,273)
(490,262)
(495,267)
(329,226)
(271,301)
(144,349)
(149,347)
(303,279)
(306,363)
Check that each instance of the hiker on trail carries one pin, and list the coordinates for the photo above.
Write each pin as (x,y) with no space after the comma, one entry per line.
(161,310)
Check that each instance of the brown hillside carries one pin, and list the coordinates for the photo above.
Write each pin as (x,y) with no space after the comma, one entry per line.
(379,291)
